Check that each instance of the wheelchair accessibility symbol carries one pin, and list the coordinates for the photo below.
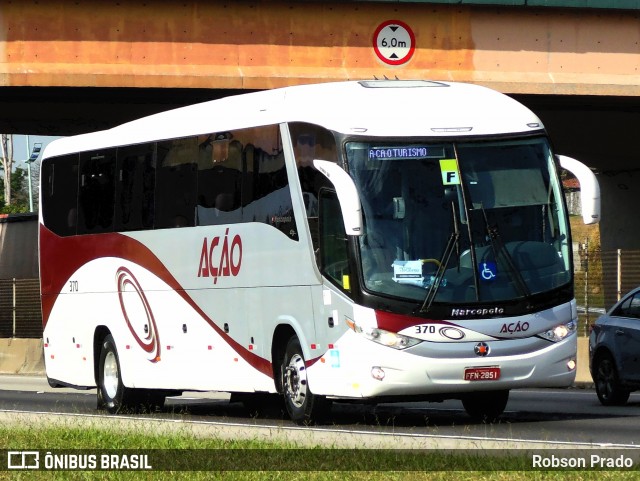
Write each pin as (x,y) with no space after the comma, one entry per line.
(487,271)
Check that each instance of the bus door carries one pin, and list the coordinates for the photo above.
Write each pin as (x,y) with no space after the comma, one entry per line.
(335,266)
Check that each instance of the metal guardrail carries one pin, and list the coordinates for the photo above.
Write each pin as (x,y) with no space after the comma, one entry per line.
(20,308)
(592,310)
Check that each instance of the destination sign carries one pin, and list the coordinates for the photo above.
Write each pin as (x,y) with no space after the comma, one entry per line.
(406,152)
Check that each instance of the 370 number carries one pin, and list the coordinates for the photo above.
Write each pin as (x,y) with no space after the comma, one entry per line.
(73,286)
(425,329)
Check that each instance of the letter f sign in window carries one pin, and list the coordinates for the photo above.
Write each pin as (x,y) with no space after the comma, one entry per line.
(449,169)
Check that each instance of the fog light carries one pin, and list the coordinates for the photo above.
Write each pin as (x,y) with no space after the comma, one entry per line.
(377,373)
(571,364)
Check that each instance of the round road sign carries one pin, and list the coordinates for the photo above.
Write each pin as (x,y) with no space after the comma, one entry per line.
(394,42)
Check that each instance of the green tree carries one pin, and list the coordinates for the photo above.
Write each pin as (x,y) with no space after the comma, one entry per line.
(15,196)
(19,193)
(6,156)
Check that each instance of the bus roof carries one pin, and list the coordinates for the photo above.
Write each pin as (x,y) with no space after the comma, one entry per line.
(385,108)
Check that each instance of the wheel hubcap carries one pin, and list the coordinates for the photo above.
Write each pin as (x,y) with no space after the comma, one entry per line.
(295,380)
(110,379)
(605,378)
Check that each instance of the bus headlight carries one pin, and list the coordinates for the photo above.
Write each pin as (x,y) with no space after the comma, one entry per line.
(560,332)
(386,338)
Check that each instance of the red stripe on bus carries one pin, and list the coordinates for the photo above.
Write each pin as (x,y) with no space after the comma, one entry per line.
(65,255)
(397,322)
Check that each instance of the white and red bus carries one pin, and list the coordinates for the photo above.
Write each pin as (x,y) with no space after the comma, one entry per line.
(364,241)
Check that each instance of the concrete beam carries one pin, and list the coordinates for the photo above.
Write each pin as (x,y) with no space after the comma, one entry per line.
(258,45)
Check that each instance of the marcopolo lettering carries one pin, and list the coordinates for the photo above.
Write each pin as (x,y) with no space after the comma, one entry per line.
(220,257)
(478,312)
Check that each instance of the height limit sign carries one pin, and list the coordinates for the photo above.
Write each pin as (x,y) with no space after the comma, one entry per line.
(394,42)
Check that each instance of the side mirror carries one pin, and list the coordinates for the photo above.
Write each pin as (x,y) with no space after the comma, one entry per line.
(589,188)
(347,195)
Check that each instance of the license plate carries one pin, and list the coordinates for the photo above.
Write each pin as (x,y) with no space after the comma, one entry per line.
(482,374)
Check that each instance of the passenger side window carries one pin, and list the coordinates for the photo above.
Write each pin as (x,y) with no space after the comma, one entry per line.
(176,183)
(630,307)
(219,180)
(334,246)
(270,197)
(97,192)
(212,179)
(242,178)
(135,187)
(59,191)
(312,142)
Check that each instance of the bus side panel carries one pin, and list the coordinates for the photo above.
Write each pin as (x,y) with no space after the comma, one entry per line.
(329,375)
(162,340)
(68,340)
(213,337)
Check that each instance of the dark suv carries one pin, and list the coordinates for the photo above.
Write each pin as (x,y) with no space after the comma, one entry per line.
(614,351)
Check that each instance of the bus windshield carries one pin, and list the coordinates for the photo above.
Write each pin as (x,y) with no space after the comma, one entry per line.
(460,222)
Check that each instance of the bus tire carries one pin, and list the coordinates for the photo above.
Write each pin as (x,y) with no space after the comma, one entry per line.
(302,405)
(112,394)
(485,406)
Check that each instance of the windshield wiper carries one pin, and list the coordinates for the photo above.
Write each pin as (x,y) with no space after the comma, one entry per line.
(500,250)
(442,265)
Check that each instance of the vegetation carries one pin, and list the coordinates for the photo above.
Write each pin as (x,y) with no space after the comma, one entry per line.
(589,289)
(19,193)
(257,460)
(14,195)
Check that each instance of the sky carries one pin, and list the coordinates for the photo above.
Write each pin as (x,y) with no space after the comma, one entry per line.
(20,153)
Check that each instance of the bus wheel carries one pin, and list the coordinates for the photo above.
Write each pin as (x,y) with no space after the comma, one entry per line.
(112,394)
(485,406)
(303,406)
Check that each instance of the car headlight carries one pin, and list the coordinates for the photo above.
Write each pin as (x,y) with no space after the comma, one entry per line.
(386,338)
(559,332)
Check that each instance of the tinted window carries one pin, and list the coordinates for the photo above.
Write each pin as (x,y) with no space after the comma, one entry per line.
(629,307)
(333,240)
(242,178)
(219,179)
(135,187)
(59,191)
(312,142)
(176,177)
(97,191)
(270,198)
(212,179)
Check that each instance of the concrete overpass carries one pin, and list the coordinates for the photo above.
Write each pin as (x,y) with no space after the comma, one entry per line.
(74,66)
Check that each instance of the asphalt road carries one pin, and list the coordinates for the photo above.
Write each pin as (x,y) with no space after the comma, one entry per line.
(538,418)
